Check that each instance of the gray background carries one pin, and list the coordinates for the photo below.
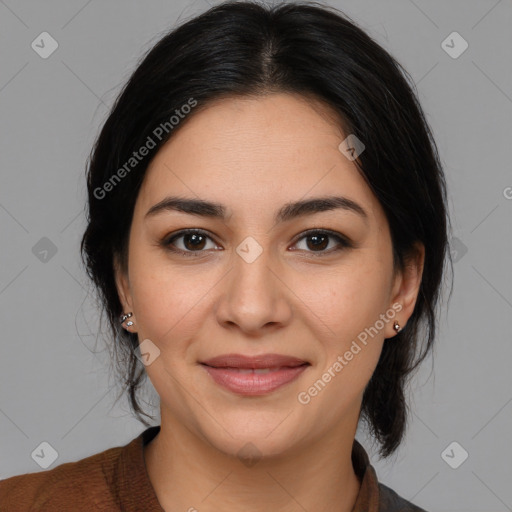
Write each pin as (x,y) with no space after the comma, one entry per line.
(55,382)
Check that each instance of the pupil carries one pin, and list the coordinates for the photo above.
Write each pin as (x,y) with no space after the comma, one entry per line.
(196,238)
(316,238)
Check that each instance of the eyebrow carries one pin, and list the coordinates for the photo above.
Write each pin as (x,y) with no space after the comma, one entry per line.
(288,212)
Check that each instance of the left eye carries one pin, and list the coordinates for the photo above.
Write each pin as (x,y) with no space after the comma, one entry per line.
(320,241)
(195,241)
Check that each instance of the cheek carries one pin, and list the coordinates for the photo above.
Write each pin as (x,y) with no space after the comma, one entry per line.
(167,299)
(344,311)
(347,300)
(167,310)
(348,351)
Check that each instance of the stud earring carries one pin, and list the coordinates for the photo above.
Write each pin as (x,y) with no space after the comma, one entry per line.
(124,317)
(397,327)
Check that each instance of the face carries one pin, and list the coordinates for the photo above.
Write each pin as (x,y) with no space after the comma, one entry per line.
(313,285)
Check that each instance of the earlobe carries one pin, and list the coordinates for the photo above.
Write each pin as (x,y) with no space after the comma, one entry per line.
(127,319)
(409,282)
(127,316)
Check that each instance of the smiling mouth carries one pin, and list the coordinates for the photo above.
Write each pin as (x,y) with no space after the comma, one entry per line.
(254,376)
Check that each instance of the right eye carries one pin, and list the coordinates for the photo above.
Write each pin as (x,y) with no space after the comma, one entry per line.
(193,241)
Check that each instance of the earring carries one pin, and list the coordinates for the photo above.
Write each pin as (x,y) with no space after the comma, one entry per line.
(124,317)
(397,327)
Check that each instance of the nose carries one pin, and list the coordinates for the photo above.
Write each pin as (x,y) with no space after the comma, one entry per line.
(255,298)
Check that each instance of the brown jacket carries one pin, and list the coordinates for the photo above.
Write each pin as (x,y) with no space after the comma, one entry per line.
(116,480)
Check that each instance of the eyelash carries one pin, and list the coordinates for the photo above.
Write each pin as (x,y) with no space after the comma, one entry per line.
(343,242)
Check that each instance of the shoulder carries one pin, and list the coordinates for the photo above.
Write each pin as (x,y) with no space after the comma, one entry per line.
(79,485)
(390,501)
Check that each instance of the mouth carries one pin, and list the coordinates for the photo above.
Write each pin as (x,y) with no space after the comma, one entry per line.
(254,376)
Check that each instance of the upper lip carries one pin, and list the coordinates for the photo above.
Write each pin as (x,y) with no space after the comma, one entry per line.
(254,362)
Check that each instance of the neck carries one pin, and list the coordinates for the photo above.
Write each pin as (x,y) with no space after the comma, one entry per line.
(190,474)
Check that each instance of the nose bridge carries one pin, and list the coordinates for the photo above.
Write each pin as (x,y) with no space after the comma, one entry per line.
(251,274)
(254,295)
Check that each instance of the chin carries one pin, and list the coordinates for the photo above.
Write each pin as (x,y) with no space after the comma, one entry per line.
(250,449)
(246,434)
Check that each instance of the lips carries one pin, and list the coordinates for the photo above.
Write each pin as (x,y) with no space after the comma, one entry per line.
(264,361)
(253,376)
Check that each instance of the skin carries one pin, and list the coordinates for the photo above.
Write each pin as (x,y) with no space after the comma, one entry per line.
(253,155)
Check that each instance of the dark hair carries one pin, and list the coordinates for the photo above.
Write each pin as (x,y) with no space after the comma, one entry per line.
(249,49)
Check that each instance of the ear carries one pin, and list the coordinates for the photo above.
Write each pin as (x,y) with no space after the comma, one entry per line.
(407,284)
(123,291)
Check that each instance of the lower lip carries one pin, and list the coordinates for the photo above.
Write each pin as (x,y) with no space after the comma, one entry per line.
(253,384)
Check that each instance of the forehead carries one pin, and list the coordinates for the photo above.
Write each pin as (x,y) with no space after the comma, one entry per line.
(257,153)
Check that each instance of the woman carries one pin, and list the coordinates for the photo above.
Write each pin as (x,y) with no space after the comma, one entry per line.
(267,232)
